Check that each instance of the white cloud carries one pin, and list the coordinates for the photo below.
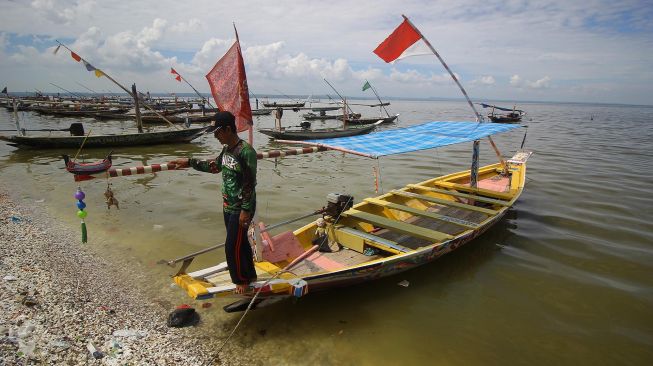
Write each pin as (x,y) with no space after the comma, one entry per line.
(484,80)
(542,83)
(515,80)
(60,14)
(192,25)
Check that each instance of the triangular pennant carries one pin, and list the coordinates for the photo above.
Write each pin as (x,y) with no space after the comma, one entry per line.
(366,85)
(89,67)
(57,49)
(4,91)
(98,73)
(75,56)
(172,71)
(178,77)
(228,83)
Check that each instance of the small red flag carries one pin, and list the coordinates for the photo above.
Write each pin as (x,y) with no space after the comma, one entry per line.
(178,77)
(401,39)
(228,84)
(75,56)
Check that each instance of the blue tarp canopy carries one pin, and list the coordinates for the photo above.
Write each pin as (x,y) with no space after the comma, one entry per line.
(424,136)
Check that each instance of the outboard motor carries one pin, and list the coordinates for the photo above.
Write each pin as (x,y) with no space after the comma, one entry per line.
(337,203)
(76,129)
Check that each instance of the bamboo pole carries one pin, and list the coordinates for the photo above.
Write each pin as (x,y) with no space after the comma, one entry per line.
(139,121)
(379,98)
(479,118)
(123,88)
(341,97)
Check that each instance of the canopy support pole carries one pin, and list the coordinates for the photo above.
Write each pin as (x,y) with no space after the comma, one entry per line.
(479,118)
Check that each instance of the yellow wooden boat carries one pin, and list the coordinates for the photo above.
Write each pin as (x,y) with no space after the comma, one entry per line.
(377,237)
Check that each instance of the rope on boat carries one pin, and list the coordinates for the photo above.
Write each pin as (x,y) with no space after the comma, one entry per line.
(285,270)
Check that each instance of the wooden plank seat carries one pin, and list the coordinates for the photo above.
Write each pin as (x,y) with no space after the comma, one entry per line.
(203,273)
(375,241)
(461,195)
(445,202)
(399,226)
(417,212)
(479,191)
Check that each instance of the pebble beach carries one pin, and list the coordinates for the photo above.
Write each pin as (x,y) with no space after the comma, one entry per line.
(63,303)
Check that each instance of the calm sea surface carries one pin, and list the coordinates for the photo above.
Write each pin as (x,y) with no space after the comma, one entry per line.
(565,278)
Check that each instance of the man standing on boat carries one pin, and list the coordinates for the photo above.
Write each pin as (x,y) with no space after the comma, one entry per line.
(237,162)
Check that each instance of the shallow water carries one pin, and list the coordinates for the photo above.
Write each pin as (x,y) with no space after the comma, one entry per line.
(565,278)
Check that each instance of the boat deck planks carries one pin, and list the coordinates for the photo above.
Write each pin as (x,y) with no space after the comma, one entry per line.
(346,257)
(444,202)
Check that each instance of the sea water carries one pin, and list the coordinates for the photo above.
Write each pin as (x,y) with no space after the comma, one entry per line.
(564,278)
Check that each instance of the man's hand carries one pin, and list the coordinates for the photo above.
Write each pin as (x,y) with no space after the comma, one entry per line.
(244,218)
(181,163)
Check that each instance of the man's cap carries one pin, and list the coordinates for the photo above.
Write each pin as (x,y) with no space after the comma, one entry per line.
(222,119)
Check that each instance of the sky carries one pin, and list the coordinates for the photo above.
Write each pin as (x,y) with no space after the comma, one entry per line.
(595,51)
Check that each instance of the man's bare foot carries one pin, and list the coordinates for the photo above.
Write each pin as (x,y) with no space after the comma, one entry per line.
(241,289)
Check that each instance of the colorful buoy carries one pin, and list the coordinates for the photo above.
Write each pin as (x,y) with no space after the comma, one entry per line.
(79,196)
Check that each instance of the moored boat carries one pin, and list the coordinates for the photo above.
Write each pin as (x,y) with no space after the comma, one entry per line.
(131,139)
(383,235)
(369,120)
(323,133)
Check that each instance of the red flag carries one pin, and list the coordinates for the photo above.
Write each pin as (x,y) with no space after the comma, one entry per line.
(228,84)
(178,77)
(399,41)
(75,56)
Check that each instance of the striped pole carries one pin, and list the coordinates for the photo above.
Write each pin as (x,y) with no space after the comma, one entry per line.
(117,172)
(147,169)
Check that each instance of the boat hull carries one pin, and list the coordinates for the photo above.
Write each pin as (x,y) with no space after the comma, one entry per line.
(315,134)
(428,220)
(368,121)
(134,139)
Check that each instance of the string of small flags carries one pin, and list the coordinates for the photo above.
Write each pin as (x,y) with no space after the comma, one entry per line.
(89,67)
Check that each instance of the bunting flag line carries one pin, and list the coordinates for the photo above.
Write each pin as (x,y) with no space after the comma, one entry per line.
(75,56)
(366,85)
(402,43)
(228,84)
(177,75)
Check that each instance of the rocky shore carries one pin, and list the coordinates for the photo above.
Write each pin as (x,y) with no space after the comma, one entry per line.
(61,303)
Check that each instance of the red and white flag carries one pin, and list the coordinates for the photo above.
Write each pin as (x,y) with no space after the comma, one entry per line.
(228,84)
(405,41)
(177,76)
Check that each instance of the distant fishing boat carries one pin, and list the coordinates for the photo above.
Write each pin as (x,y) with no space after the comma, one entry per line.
(514,115)
(370,120)
(324,116)
(106,140)
(284,105)
(323,133)
(261,112)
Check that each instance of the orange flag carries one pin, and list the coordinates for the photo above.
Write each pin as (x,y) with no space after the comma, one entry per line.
(228,84)
(75,56)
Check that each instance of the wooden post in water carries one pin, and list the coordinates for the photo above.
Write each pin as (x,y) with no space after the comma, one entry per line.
(16,118)
(139,121)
